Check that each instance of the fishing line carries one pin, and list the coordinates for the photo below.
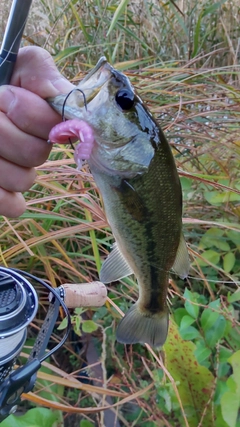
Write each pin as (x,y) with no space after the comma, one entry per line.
(64,105)
(212,280)
(62,303)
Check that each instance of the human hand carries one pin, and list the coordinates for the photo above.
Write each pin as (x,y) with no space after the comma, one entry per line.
(26,120)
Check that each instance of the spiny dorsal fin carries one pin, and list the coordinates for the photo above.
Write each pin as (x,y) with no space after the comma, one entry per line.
(115,267)
(181,264)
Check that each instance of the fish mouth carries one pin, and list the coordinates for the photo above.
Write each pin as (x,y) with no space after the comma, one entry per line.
(71,105)
(95,80)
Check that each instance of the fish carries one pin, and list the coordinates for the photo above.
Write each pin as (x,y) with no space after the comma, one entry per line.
(134,169)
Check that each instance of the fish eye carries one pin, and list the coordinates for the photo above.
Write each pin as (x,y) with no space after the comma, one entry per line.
(125,99)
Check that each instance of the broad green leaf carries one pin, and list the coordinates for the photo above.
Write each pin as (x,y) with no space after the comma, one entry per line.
(89,326)
(224,354)
(189,333)
(202,352)
(234,297)
(214,232)
(186,183)
(230,407)
(179,313)
(216,332)
(210,315)
(216,198)
(186,321)
(209,242)
(233,338)
(192,309)
(194,381)
(36,417)
(229,261)
(209,255)
(234,237)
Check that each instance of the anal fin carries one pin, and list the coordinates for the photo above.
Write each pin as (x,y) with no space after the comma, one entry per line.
(181,264)
(115,266)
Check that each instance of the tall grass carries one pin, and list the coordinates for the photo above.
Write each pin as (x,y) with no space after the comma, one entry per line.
(183,59)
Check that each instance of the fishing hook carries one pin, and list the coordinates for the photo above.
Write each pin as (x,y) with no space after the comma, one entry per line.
(64,105)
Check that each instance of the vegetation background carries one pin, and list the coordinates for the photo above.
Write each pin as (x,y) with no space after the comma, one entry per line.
(183,58)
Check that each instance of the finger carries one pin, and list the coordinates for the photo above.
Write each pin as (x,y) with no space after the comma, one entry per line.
(14,178)
(44,78)
(22,149)
(11,204)
(27,111)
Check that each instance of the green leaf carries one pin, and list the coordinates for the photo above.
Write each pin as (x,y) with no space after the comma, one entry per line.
(86,423)
(189,333)
(224,354)
(208,242)
(229,407)
(194,381)
(209,255)
(63,324)
(186,183)
(89,326)
(120,9)
(233,338)
(209,317)
(234,237)
(216,198)
(179,313)
(229,261)
(192,309)
(202,352)
(234,297)
(36,417)
(186,321)
(214,334)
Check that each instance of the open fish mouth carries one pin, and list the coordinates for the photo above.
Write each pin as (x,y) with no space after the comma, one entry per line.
(85,92)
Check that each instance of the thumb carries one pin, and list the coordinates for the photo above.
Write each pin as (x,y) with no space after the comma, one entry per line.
(36,71)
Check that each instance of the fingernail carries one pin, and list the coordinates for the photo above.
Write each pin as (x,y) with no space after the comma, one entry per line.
(7,99)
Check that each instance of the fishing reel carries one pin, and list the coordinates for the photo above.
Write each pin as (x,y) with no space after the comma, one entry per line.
(18,307)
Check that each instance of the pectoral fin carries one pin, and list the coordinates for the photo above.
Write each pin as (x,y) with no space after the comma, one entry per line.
(115,267)
(181,264)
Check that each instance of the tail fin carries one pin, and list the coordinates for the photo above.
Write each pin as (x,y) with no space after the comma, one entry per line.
(139,327)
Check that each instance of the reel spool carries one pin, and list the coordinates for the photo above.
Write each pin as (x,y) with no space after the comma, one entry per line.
(18,307)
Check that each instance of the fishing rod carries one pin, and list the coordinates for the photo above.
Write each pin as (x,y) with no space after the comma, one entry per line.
(12,38)
(18,297)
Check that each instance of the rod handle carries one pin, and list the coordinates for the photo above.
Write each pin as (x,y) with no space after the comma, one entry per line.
(93,294)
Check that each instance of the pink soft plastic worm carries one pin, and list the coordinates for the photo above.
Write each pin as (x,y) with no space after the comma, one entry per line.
(74,128)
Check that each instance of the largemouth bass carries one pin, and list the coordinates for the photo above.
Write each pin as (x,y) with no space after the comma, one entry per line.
(134,169)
